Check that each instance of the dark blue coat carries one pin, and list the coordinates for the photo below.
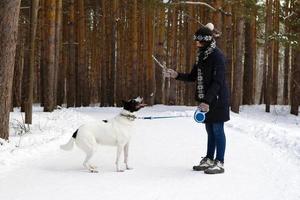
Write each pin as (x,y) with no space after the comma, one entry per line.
(215,87)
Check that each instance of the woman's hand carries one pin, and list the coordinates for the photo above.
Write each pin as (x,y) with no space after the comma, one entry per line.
(204,107)
(170,73)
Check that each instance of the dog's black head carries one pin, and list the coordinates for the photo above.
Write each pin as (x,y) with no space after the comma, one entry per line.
(133,105)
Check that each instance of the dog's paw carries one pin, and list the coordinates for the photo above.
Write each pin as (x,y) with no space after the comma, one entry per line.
(93,171)
(129,168)
(93,166)
(120,170)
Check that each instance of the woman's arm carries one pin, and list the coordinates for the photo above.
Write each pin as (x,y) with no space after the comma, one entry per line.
(190,77)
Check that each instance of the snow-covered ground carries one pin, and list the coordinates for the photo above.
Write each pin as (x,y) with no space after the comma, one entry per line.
(262,158)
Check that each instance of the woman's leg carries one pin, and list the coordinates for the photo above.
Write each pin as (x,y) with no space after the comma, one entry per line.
(211,144)
(220,140)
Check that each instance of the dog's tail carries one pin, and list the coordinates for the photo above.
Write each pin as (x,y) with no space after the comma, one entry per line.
(69,145)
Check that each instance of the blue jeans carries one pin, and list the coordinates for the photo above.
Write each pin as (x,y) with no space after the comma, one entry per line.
(216,140)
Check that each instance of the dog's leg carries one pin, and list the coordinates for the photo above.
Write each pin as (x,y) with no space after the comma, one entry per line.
(126,148)
(86,164)
(119,151)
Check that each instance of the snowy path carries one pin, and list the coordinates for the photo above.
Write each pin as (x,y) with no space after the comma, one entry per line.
(162,153)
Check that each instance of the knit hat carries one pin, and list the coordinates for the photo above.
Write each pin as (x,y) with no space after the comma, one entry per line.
(204,33)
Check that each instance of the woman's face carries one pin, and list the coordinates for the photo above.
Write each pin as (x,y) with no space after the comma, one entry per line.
(199,44)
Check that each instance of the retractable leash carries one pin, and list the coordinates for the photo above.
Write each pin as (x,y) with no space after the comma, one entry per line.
(199,116)
(163,117)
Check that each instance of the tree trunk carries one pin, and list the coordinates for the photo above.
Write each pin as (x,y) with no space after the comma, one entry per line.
(275,52)
(18,70)
(159,54)
(71,85)
(9,15)
(26,66)
(295,82)
(173,55)
(29,95)
(229,46)
(50,56)
(82,64)
(217,21)
(295,72)
(286,65)
(250,56)
(62,57)
(238,68)
(269,54)
(58,49)
(133,68)
(113,55)
(150,92)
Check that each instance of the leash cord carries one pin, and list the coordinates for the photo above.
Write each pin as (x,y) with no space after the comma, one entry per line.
(166,117)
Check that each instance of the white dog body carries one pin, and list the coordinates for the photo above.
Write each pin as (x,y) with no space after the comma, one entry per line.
(114,132)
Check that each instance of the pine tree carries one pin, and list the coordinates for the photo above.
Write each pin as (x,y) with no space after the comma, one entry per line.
(9,15)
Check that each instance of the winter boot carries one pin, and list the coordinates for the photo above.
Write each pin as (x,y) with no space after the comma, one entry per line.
(217,168)
(205,163)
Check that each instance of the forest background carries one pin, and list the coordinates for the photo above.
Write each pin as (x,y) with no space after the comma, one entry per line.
(94,52)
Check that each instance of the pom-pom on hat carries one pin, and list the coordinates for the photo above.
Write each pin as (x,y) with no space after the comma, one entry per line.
(204,33)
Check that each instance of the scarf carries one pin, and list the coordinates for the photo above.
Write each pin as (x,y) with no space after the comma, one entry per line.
(202,55)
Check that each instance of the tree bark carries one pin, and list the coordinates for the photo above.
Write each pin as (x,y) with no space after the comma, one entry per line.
(58,49)
(62,57)
(133,68)
(269,54)
(150,92)
(275,52)
(71,85)
(18,70)
(295,72)
(29,95)
(286,65)
(238,68)
(159,54)
(84,93)
(50,56)
(9,15)
(250,55)
(229,47)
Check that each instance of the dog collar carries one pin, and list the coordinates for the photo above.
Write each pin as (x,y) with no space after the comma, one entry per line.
(129,117)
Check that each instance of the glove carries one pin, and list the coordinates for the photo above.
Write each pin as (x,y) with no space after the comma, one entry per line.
(204,107)
(170,73)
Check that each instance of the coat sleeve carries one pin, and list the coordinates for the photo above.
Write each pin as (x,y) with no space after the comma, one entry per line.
(218,78)
(189,77)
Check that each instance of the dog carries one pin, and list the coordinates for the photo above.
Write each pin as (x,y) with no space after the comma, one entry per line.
(115,132)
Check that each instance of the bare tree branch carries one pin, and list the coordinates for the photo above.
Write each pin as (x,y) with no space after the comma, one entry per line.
(224,12)
(203,4)
(292,13)
(197,3)
(217,33)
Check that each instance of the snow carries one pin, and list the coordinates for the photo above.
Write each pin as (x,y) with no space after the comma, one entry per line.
(261,162)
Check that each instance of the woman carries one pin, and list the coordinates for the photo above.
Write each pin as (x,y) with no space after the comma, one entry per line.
(212,94)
